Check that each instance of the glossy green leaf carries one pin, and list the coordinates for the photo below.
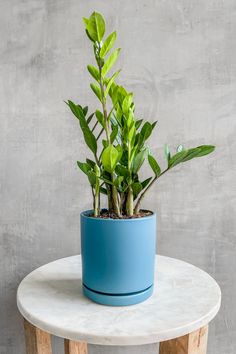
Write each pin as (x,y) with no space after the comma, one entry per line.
(137,188)
(96,89)
(76,110)
(138,123)
(95,26)
(127,103)
(146,182)
(205,150)
(105,143)
(91,163)
(90,118)
(92,178)
(122,170)
(108,44)
(131,132)
(110,158)
(110,62)
(177,158)
(103,190)
(88,135)
(139,160)
(154,165)
(110,82)
(145,132)
(94,72)
(100,118)
(114,133)
(85,110)
(84,167)
(118,181)
(154,124)
(90,139)
(199,152)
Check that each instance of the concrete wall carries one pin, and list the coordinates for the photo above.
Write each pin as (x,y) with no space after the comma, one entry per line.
(179,59)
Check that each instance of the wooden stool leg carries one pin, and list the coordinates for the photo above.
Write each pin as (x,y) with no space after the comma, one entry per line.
(36,340)
(72,347)
(193,343)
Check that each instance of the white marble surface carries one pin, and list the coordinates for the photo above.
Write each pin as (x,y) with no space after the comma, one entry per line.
(185,298)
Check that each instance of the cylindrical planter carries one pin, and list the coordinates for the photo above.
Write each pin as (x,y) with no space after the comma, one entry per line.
(118,257)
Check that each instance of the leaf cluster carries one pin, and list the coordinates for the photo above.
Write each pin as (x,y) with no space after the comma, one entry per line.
(116,138)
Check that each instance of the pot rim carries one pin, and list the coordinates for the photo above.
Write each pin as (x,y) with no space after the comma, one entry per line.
(84,214)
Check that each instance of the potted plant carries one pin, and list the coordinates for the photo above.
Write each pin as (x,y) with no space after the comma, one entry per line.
(118,241)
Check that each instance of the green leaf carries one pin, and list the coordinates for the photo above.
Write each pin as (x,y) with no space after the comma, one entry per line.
(92,178)
(122,171)
(95,26)
(94,72)
(86,21)
(110,62)
(139,160)
(108,44)
(199,152)
(167,152)
(154,124)
(114,133)
(127,103)
(85,110)
(177,158)
(106,180)
(84,167)
(110,158)
(137,187)
(105,143)
(91,39)
(90,118)
(146,182)
(118,181)
(100,118)
(146,130)
(205,150)
(138,123)
(90,139)
(110,82)
(91,163)
(76,110)
(103,190)
(88,135)
(96,90)
(131,132)
(154,165)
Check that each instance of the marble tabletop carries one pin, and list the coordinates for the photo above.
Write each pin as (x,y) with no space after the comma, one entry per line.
(185,298)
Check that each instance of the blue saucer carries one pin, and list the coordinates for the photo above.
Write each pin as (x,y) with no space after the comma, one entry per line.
(118,299)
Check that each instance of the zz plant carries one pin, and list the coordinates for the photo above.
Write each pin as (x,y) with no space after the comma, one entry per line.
(119,147)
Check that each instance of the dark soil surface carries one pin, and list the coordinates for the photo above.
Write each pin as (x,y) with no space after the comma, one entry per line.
(106,215)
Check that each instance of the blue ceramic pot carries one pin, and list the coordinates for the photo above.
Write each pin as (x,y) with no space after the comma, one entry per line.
(118,258)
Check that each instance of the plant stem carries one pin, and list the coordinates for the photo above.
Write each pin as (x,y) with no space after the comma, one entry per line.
(137,206)
(130,202)
(114,193)
(115,199)
(96,198)
(130,196)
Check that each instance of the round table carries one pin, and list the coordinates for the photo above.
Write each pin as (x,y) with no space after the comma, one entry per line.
(184,301)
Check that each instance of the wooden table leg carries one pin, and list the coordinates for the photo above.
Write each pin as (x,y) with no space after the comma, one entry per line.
(193,343)
(36,340)
(72,347)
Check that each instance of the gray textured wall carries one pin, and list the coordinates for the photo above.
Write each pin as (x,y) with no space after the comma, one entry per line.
(179,59)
